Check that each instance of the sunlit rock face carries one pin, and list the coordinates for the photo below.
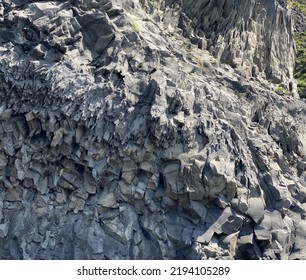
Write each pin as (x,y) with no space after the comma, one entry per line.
(256,36)
(148,130)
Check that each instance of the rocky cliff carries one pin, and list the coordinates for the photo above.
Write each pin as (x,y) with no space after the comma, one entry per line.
(252,35)
(150,130)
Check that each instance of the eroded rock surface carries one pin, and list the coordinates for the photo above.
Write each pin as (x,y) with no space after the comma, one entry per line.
(124,135)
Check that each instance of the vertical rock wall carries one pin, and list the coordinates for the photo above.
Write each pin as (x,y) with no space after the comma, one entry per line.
(121,140)
(255,36)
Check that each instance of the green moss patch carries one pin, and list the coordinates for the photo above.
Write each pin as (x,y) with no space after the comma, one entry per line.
(135,26)
(300,66)
(300,40)
(298,4)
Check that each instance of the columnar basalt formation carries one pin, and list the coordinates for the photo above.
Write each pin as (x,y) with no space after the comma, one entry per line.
(252,35)
(124,135)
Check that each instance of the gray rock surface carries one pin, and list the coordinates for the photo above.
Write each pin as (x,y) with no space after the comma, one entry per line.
(150,130)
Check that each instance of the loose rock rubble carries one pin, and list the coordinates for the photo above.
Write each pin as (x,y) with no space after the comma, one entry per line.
(126,136)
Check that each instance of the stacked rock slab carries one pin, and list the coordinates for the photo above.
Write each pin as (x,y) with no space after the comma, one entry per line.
(120,138)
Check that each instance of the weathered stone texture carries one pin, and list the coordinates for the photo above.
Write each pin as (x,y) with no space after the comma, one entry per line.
(122,139)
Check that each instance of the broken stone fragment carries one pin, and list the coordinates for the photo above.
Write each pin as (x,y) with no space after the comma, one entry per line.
(179,119)
(239,206)
(58,135)
(8,146)
(39,52)
(197,210)
(147,166)
(217,175)
(115,228)
(108,200)
(3,160)
(103,42)
(65,185)
(13,194)
(71,178)
(4,228)
(89,184)
(76,204)
(107,213)
(262,234)
(37,238)
(96,244)
(5,114)
(283,205)
(30,116)
(174,232)
(221,201)
(140,191)
(256,209)
(42,186)
(126,192)
(61,197)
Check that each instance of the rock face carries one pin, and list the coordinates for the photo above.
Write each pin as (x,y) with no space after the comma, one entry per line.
(124,135)
(252,35)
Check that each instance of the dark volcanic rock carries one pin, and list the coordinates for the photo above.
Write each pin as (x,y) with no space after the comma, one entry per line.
(149,130)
